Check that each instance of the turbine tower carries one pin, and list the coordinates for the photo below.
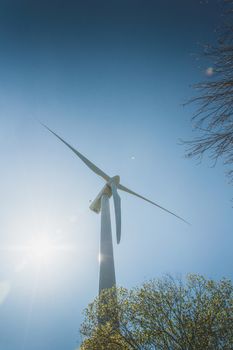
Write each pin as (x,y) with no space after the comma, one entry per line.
(107,277)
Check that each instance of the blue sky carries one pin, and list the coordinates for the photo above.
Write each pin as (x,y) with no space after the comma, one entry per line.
(110,77)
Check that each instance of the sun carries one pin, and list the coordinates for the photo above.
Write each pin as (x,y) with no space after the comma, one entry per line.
(42,249)
(45,250)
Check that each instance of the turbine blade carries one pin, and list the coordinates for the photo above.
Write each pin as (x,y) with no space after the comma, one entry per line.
(125,189)
(117,207)
(90,165)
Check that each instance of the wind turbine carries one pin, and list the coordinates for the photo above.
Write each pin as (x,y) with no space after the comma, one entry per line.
(107,277)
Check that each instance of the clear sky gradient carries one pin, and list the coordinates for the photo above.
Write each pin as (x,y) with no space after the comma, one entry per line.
(110,77)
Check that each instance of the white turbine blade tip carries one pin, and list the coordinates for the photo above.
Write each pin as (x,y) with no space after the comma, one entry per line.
(125,189)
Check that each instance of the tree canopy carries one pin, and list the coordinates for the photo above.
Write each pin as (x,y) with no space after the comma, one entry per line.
(165,314)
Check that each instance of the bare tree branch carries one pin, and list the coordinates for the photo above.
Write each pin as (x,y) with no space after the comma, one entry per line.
(213,120)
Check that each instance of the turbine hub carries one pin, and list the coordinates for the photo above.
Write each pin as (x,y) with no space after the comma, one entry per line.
(115,179)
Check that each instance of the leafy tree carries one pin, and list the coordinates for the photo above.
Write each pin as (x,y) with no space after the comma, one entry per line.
(165,314)
(213,119)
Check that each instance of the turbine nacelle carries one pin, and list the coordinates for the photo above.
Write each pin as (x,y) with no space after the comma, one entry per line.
(96,204)
(107,189)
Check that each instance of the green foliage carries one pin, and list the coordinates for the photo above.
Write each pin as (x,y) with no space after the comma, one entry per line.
(164,314)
